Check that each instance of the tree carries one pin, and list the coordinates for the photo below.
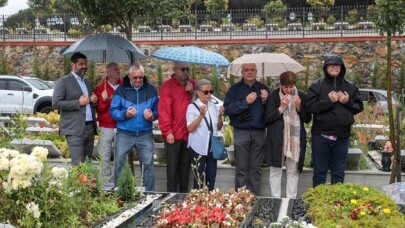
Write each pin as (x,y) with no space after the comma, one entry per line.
(120,13)
(321,3)
(3,3)
(391,18)
(42,6)
(216,5)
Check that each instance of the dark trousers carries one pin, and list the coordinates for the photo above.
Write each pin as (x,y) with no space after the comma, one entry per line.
(205,171)
(178,166)
(249,154)
(327,154)
(81,146)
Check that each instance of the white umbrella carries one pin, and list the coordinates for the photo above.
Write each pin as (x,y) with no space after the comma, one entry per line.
(268,64)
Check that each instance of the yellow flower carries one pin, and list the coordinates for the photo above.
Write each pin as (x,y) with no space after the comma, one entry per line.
(387,210)
(354,192)
(353,201)
(362,213)
(365,189)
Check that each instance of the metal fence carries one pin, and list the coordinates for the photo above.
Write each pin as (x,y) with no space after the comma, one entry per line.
(197,25)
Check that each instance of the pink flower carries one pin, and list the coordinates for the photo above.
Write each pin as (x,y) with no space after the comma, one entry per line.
(388,146)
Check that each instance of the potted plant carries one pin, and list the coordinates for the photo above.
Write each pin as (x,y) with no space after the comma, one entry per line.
(228,139)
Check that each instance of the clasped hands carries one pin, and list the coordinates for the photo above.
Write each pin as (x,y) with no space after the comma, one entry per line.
(342,97)
(147,113)
(286,99)
(251,97)
(85,100)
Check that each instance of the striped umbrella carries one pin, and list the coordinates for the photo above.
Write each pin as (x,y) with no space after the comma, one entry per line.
(106,48)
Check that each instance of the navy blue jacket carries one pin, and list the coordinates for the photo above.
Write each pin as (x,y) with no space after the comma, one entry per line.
(241,114)
(126,95)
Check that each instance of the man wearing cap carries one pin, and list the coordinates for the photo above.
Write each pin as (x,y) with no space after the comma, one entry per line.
(333,101)
(175,96)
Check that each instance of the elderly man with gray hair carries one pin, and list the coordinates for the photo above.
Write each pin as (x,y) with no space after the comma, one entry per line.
(134,107)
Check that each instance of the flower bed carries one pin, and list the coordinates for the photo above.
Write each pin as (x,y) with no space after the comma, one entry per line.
(351,205)
(264,212)
(203,208)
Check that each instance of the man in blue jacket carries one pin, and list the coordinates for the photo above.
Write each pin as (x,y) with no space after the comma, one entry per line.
(333,101)
(134,106)
(245,104)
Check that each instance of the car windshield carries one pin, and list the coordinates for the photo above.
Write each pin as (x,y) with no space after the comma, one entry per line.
(39,84)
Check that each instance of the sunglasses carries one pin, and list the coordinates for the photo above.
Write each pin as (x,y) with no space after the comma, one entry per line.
(206,92)
(185,69)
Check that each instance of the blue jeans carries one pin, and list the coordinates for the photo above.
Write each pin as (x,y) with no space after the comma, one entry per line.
(327,154)
(206,167)
(144,150)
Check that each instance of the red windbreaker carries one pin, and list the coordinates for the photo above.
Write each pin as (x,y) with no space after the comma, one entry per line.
(103,107)
(172,108)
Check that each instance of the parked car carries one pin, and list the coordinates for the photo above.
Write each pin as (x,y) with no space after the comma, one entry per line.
(23,94)
(377,96)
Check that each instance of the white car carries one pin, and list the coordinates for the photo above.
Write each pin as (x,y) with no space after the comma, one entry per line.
(377,96)
(216,101)
(23,94)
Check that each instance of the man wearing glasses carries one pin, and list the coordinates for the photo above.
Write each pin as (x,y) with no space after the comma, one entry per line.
(175,96)
(245,104)
(134,107)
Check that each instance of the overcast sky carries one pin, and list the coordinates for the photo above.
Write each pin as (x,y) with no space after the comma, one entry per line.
(13,6)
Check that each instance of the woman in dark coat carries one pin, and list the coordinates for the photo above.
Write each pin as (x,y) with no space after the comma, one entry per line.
(286,134)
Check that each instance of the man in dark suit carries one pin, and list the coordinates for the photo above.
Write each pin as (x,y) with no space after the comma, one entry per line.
(74,99)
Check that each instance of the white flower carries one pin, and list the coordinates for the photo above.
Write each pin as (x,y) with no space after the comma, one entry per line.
(40,152)
(34,209)
(59,173)
(4,164)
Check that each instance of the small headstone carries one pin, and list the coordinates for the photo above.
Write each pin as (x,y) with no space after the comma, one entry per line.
(37,122)
(26,145)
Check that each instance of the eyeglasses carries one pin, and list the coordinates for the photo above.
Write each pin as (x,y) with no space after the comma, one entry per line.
(138,77)
(206,92)
(185,69)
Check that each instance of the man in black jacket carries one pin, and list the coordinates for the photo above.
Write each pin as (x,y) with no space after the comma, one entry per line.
(333,101)
(245,104)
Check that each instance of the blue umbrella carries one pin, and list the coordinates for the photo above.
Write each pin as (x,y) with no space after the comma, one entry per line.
(191,55)
(104,48)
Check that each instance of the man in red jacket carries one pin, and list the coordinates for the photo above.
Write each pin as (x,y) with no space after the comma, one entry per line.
(175,96)
(104,91)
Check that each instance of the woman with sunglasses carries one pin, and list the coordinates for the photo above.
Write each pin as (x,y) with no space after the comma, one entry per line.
(203,119)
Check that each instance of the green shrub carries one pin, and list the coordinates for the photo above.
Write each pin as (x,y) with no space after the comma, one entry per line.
(126,183)
(351,205)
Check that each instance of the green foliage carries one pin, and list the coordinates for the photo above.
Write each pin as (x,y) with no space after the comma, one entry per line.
(126,183)
(256,20)
(3,64)
(159,74)
(306,83)
(228,135)
(321,3)
(216,83)
(3,3)
(372,13)
(193,73)
(353,16)
(357,79)
(402,74)
(351,205)
(215,5)
(35,67)
(66,67)
(391,17)
(74,33)
(268,81)
(274,6)
(330,20)
(45,75)
(91,72)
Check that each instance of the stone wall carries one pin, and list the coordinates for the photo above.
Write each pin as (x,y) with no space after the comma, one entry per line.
(361,58)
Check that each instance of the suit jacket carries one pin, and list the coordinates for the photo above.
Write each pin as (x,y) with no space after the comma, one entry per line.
(66,99)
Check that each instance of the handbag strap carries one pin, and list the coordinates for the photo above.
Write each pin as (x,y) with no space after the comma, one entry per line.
(208,125)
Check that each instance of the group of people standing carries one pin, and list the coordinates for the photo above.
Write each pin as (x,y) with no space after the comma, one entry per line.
(265,125)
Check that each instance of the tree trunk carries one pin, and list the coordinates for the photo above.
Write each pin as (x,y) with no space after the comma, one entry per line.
(390,110)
